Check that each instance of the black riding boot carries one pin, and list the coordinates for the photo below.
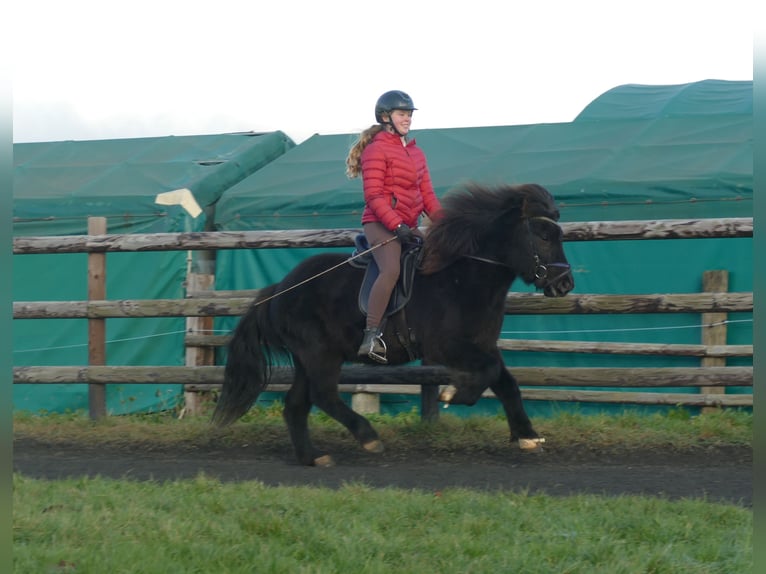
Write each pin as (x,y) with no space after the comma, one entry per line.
(373,346)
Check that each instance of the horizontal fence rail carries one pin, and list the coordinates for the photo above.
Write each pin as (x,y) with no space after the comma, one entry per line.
(408,380)
(515,304)
(576,231)
(527,376)
(555,346)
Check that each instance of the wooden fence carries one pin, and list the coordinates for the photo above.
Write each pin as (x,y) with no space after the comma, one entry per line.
(202,304)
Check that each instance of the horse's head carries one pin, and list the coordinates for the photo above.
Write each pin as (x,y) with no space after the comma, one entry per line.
(549,269)
(537,252)
(514,226)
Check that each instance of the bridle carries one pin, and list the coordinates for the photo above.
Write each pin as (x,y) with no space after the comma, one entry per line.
(541,269)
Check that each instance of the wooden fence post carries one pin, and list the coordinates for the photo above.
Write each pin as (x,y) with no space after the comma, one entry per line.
(715,334)
(198,356)
(96,327)
(429,403)
(366,403)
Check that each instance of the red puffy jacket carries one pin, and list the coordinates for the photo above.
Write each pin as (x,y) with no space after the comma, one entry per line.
(397,185)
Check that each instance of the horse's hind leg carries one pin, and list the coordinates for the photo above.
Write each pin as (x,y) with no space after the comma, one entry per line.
(324,394)
(330,402)
(507,390)
(296,414)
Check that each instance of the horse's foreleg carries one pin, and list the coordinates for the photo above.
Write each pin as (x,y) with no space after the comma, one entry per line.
(471,371)
(507,391)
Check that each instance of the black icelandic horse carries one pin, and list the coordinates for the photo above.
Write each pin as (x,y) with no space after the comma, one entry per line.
(485,239)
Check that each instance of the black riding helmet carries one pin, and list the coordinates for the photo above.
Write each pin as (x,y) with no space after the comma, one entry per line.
(393,100)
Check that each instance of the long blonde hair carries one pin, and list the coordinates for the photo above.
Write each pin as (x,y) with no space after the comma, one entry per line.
(354,159)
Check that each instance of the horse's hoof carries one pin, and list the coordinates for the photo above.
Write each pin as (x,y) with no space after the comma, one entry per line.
(374,446)
(324,461)
(531,444)
(447,393)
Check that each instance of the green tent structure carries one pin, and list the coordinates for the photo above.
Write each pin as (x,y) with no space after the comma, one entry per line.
(141,185)
(635,153)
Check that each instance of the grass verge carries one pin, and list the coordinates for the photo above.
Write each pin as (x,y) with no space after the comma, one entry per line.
(202,525)
(403,431)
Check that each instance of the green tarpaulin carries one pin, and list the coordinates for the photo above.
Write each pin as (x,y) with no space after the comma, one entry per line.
(637,152)
(57,186)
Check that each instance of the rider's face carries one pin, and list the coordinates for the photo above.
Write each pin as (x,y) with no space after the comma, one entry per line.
(401,120)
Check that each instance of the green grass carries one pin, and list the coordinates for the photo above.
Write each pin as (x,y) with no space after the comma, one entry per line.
(202,525)
(101,525)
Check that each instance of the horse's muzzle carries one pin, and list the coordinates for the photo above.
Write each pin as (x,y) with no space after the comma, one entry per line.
(556,281)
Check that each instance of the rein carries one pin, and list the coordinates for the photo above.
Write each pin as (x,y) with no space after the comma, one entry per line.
(541,270)
(485,260)
(333,268)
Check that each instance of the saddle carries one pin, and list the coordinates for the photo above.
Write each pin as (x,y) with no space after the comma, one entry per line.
(402,292)
(410,260)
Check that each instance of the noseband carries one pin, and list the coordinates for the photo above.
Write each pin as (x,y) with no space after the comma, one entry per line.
(541,271)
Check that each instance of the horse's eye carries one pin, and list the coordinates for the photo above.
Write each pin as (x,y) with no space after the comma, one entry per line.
(547,231)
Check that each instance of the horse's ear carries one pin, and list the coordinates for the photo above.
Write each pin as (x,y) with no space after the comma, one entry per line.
(535,200)
(530,204)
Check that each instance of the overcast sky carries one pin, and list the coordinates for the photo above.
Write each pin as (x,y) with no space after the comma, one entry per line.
(100,70)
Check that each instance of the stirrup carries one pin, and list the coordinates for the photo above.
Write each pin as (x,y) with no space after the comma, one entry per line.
(373,346)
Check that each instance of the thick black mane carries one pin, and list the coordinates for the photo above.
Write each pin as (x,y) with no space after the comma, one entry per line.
(468,213)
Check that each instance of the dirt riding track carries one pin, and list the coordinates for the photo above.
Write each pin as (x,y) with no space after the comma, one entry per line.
(719,474)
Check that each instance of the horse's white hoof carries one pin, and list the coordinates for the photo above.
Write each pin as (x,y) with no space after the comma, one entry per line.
(324,461)
(447,393)
(531,444)
(374,446)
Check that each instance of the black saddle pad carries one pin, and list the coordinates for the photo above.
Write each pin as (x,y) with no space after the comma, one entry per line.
(362,257)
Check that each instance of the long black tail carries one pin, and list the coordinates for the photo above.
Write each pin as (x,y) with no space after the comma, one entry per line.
(248,366)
